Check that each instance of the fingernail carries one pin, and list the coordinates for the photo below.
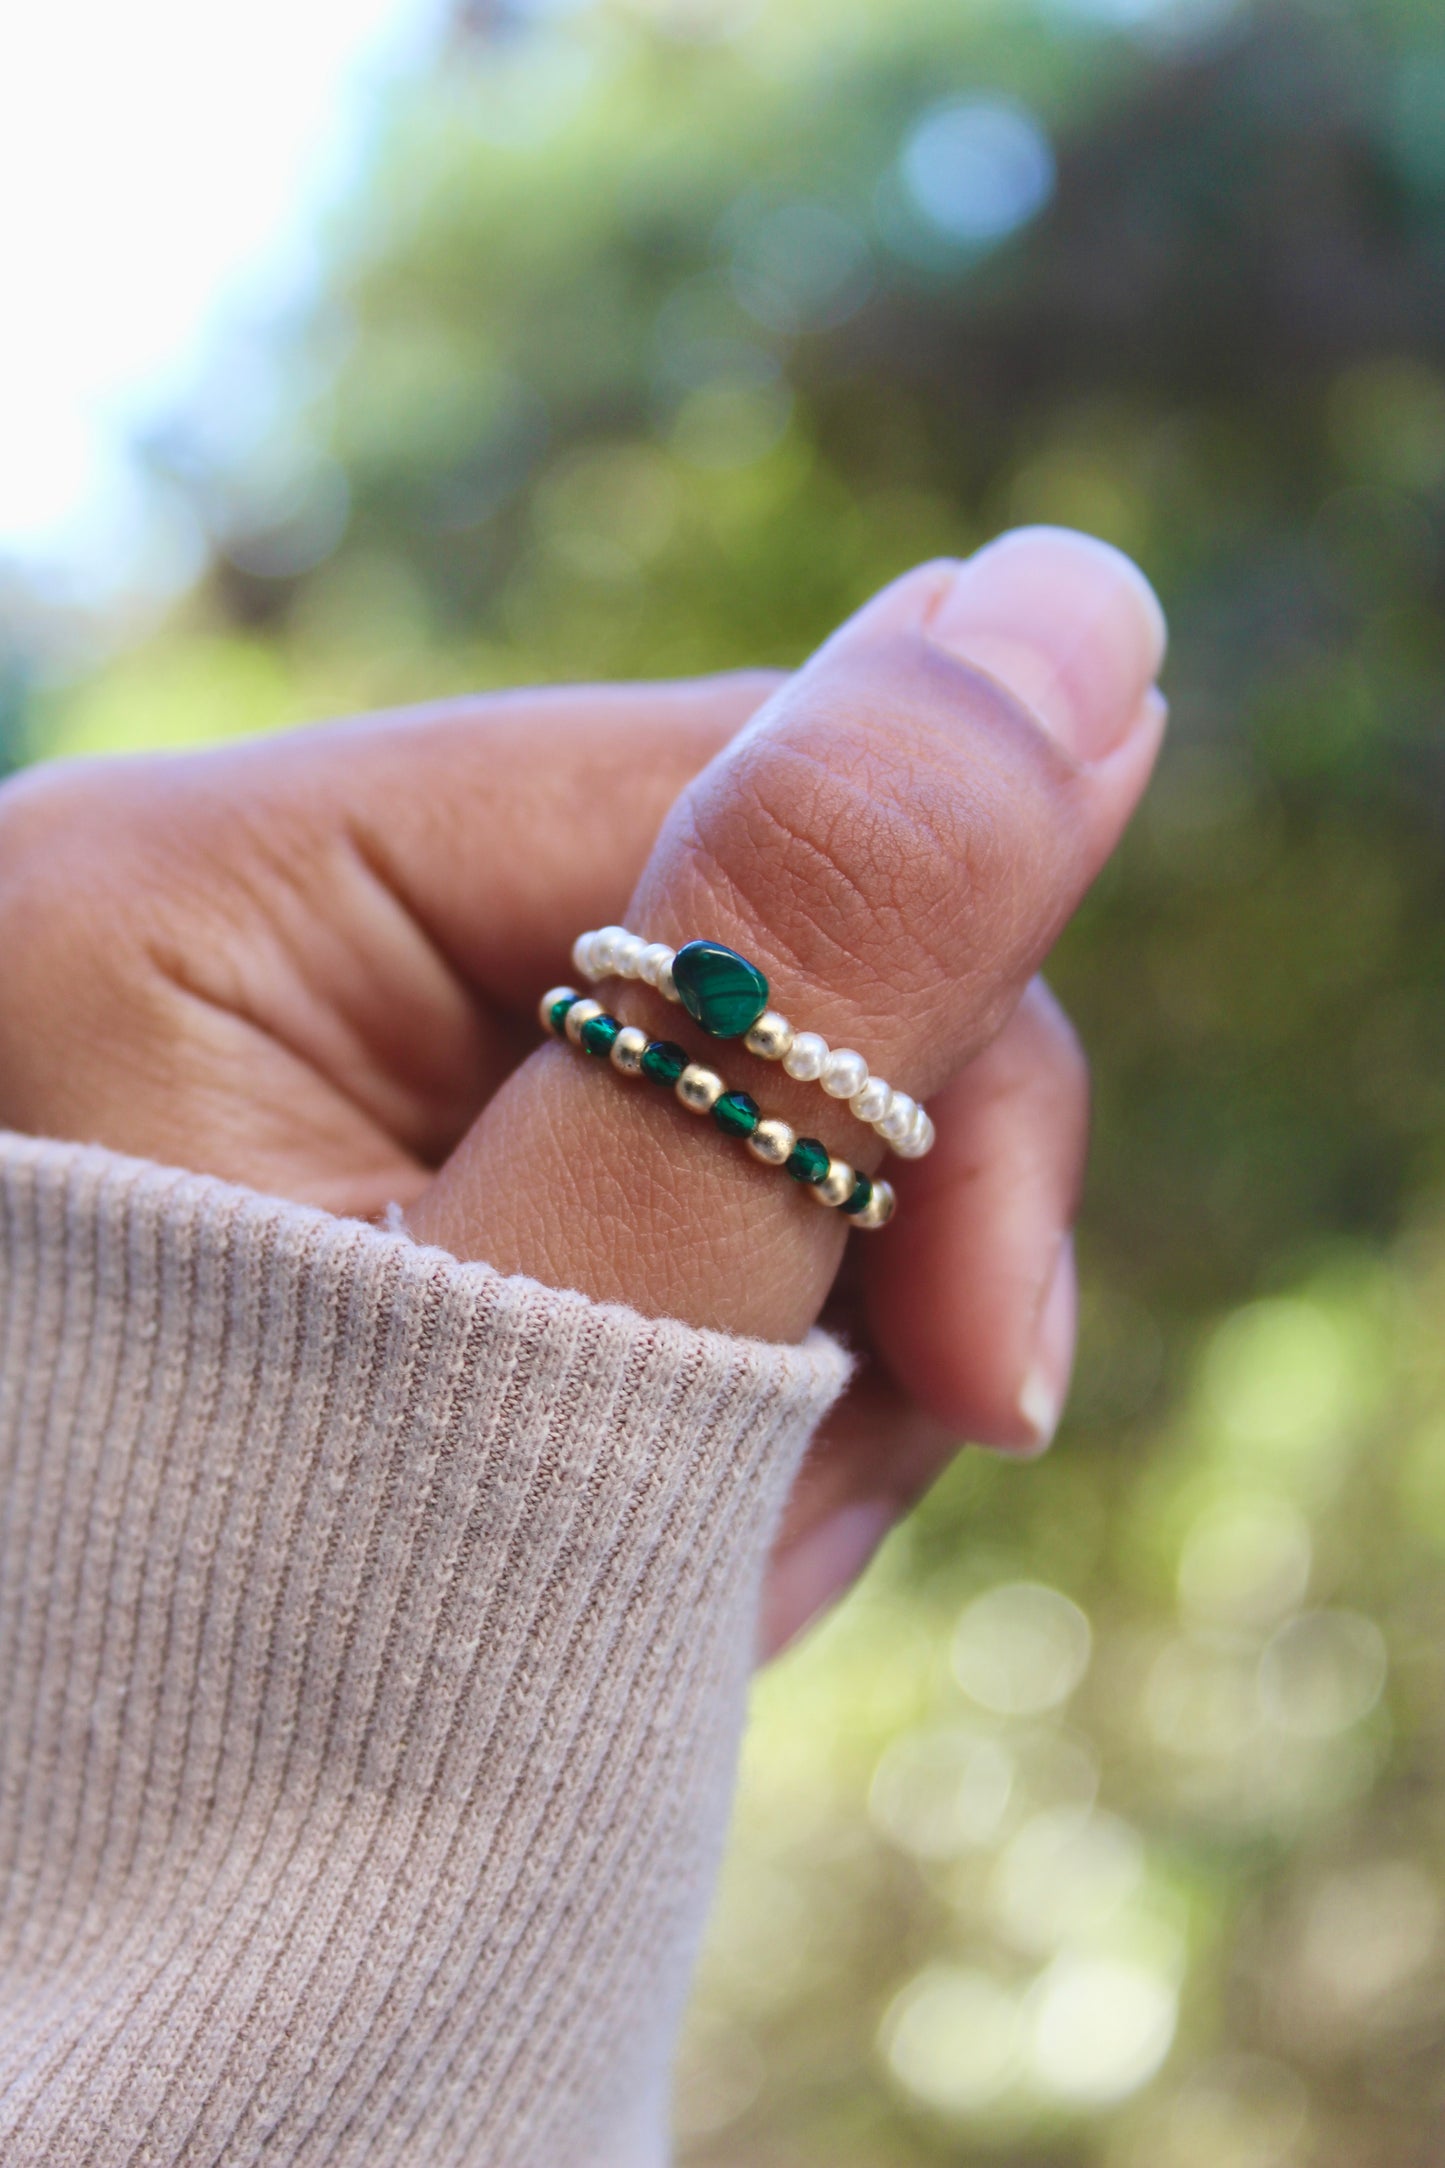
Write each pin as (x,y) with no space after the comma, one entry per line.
(819,1567)
(1068,624)
(1046,1387)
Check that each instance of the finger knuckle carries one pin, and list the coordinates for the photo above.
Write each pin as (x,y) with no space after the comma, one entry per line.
(826,863)
(863,822)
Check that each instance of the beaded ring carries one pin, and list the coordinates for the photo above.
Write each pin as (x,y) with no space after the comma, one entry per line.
(728,996)
(868,1203)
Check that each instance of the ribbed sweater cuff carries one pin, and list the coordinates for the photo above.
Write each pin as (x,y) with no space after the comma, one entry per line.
(374,1634)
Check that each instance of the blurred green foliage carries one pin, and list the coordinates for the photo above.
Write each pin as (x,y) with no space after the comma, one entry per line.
(1107,1824)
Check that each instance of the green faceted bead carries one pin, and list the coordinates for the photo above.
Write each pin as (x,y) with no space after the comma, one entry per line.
(736,1114)
(720,989)
(558,1013)
(664,1061)
(862,1191)
(598,1033)
(808,1161)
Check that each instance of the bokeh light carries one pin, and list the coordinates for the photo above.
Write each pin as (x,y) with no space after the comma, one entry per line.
(955,2039)
(977,169)
(1100,2028)
(1021,1648)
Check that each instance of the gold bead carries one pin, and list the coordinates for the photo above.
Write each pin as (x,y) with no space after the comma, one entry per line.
(770,1037)
(772,1141)
(837,1185)
(880,1207)
(580,1013)
(553,995)
(628,1049)
(699,1089)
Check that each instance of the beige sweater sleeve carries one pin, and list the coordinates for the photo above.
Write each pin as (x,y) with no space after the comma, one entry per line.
(374,1636)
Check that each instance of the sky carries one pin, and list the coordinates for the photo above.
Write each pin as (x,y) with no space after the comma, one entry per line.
(163,168)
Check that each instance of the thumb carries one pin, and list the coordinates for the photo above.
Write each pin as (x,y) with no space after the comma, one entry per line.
(896,839)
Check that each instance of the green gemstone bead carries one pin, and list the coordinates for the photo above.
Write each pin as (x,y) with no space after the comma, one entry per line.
(862,1191)
(808,1160)
(736,1114)
(721,990)
(557,1014)
(598,1033)
(664,1061)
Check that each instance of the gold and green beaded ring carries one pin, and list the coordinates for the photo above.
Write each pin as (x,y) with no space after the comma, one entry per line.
(865,1201)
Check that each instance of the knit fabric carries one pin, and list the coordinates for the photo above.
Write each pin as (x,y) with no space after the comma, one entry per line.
(374,1637)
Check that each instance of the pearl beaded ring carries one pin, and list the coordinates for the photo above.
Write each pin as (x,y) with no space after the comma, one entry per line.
(728,996)
(866,1201)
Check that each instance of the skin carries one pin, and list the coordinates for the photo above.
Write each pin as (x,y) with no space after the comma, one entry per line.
(311,965)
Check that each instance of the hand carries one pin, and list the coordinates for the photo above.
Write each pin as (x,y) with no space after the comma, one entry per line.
(311,964)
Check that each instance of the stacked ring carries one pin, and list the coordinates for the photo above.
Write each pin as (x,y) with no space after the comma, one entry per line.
(728,996)
(867,1202)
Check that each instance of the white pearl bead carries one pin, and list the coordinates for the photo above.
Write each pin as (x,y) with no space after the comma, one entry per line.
(919,1138)
(772,1141)
(604,950)
(580,1013)
(806,1056)
(837,1184)
(871,1103)
(582,954)
(627,954)
(667,985)
(880,1207)
(770,1037)
(656,958)
(844,1073)
(699,1089)
(627,1050)
(897,1122)
(553,995)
